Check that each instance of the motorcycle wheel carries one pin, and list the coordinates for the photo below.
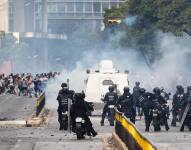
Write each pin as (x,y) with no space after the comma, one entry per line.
(80,136)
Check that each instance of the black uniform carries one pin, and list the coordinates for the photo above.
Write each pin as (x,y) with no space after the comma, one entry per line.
(147,107)
(136,93)
(109,99)
(63,96)
(165,112)
(177,104)
(80,109)
(125,105)
(159,102)
(187,120)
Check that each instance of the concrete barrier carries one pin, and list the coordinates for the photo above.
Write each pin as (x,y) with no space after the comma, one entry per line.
(130,135)
(40,103)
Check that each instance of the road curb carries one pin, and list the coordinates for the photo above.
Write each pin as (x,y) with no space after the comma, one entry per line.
(13,122)
(118,142)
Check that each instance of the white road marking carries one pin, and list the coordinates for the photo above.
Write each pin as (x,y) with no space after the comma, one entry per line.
(13,122)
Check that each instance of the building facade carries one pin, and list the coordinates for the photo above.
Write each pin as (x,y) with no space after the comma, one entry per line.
(52,16)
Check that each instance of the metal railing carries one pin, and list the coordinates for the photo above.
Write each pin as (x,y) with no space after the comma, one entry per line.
(130,135)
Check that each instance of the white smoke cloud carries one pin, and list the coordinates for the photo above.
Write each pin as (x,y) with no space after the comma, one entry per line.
(173,68)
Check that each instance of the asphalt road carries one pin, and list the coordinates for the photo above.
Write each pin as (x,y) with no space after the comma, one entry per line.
(171,140)
(15,107)
(49,137)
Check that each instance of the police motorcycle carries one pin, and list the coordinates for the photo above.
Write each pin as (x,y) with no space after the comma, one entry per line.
(80,124)
(156,117)
(80,127)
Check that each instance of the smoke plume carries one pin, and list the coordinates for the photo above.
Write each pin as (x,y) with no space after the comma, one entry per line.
(171,69)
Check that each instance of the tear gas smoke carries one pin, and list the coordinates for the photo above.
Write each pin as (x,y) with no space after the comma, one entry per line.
(172,69)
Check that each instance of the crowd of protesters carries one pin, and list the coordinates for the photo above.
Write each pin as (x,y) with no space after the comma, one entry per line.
(25,84)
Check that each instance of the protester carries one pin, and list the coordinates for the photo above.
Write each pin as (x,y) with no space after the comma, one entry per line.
(25,84)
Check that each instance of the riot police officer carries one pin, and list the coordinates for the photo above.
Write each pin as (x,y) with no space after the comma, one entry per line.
(63,97)
(80,109)
(147,107)
(136,93)
(109,99)
(159,102)
(178,100)
(187,120)
(125,104)
(166,96)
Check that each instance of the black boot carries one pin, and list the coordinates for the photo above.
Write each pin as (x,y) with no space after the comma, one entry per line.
(147,130)
(61,127)
(102,122)
(93,132)
(167,128)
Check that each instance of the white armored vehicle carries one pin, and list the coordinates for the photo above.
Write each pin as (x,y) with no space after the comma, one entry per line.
(98,82)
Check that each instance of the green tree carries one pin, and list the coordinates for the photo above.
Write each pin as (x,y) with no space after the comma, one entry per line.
(152,15)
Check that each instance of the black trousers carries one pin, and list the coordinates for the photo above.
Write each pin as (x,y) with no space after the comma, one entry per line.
(105,110)
(148,118)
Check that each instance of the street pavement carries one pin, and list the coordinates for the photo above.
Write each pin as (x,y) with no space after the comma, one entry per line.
(171,140)
(16,107)
(48,137)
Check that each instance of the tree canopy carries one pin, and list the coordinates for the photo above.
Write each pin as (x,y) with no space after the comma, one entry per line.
(172,16)
(166,15)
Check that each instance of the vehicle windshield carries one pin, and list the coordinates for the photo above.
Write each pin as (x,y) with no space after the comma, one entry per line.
(107,82)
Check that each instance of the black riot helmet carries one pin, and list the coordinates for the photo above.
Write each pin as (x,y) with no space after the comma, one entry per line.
(79,96)
(142,90)
(180,88)
(156,90)
(64,86)
(126,89)
(137,83)
(111,88)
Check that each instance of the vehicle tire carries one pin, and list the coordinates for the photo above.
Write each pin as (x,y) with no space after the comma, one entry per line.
(79,136)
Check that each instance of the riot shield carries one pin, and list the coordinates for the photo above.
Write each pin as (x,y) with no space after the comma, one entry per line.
(184,115)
